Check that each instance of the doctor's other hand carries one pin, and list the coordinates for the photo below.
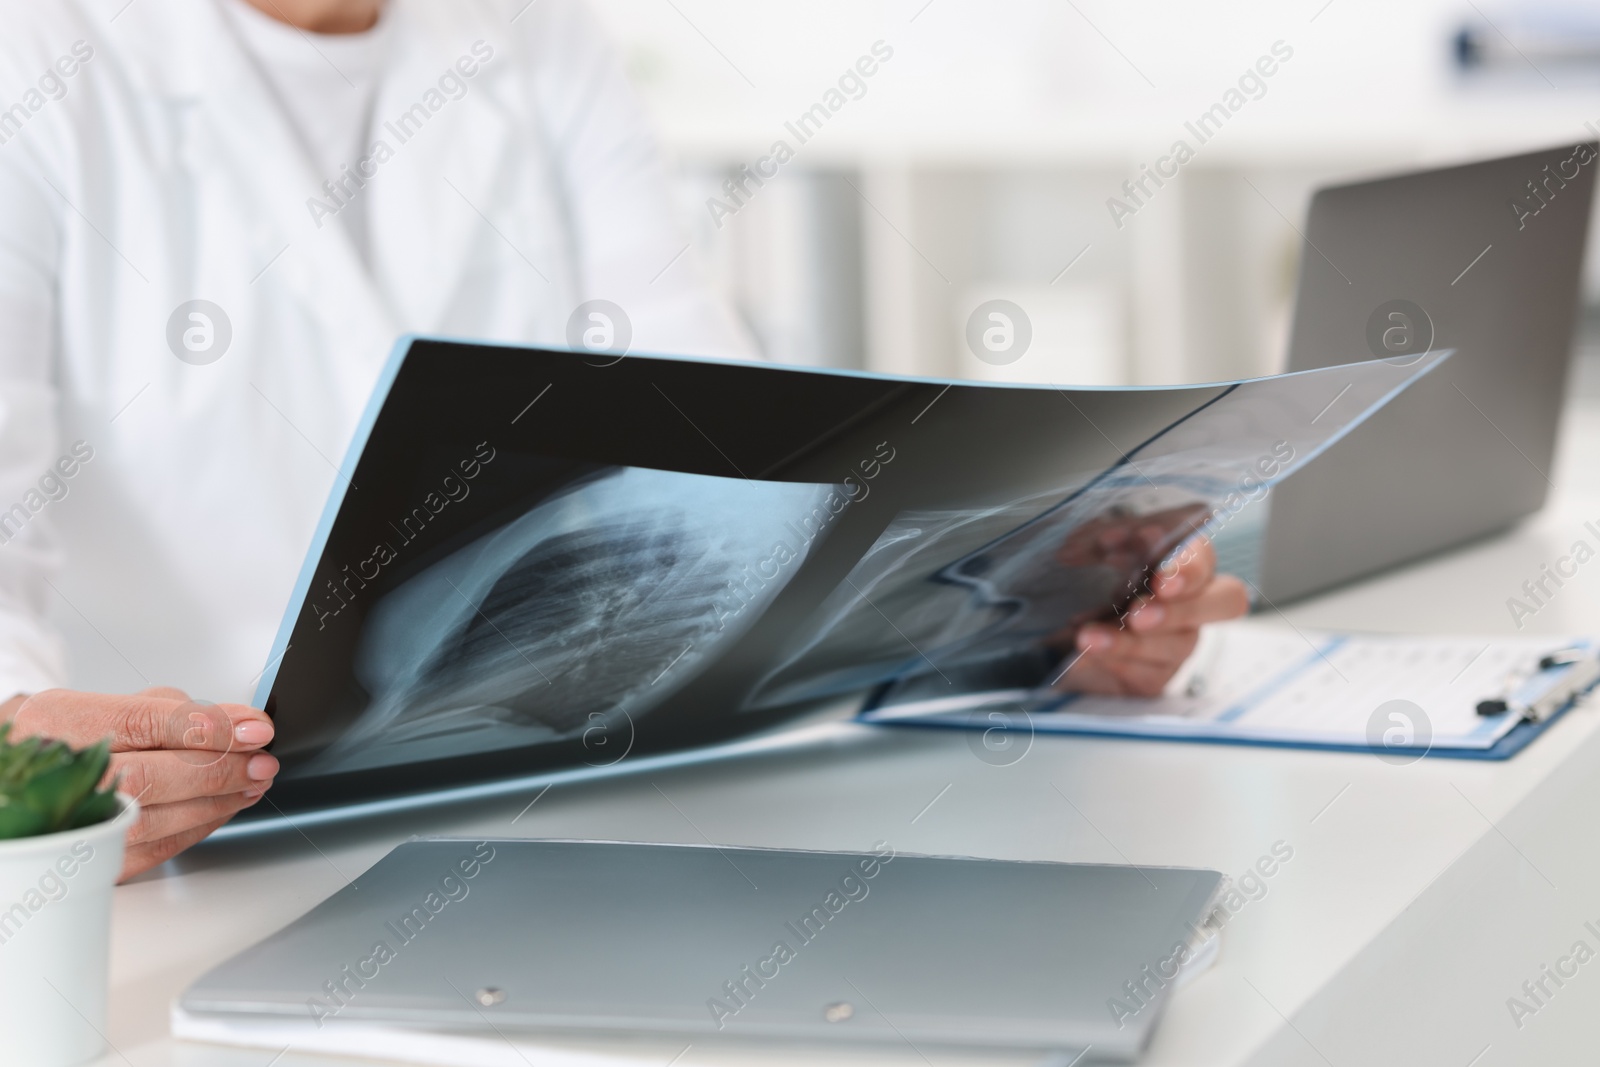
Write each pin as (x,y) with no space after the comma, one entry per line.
(190,765)
(1160,630)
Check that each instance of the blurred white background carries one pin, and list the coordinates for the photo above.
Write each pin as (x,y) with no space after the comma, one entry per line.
(979,159)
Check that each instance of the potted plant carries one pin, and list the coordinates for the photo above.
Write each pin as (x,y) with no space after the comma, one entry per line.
(61,841)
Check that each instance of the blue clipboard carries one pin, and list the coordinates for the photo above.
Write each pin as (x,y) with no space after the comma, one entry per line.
(1512,742)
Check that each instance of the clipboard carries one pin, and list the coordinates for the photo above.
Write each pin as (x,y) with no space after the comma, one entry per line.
(1400,698)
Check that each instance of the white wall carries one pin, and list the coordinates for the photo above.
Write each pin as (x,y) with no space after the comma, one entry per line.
(980,158)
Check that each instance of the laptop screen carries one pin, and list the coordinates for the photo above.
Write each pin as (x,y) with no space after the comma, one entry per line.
(1483,258)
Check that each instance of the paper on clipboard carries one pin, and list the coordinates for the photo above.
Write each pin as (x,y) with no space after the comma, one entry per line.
(1261,682)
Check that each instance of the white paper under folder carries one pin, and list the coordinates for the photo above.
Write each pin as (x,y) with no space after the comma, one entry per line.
(398,1044)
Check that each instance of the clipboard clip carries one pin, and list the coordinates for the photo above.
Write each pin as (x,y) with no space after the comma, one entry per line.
(1582,669)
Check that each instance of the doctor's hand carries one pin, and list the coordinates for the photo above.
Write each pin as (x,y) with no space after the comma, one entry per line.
(190,765)
(1139,656)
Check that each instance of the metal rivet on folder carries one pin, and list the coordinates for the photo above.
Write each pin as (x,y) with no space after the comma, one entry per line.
(489,996)
(838,1013)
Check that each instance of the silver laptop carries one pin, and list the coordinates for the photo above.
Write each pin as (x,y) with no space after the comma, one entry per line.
(1483,258)
(576,937)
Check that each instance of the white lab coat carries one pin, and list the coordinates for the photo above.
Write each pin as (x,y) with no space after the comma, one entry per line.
(167,172)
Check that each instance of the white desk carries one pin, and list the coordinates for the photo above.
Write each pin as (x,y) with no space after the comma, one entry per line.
(1418,898)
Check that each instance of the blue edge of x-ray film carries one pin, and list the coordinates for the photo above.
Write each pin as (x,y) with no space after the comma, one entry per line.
(1507,746)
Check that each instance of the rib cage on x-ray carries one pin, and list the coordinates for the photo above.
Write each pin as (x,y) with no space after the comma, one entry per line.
(587,610)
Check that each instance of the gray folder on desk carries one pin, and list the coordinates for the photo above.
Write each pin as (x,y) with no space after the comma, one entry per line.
(706,942)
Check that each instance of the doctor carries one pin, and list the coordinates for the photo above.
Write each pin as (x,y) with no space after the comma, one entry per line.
(215,218)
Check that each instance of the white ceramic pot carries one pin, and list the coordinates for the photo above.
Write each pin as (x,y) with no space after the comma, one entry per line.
(55,940)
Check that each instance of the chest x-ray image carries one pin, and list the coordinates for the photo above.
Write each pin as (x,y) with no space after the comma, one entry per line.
(590,609)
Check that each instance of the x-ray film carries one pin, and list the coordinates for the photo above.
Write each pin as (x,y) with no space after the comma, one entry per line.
(536,561)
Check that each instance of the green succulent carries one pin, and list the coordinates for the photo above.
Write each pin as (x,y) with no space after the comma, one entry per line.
(46,787)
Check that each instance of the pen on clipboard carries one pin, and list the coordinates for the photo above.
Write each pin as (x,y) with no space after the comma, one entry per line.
(1582,668)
